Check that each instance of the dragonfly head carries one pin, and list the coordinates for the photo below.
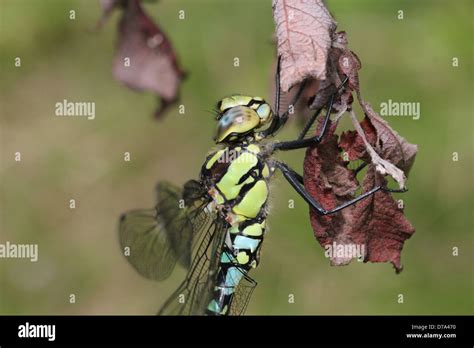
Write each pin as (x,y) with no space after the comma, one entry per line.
(240,116)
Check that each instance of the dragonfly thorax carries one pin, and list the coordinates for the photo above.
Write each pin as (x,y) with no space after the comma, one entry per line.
(236,177)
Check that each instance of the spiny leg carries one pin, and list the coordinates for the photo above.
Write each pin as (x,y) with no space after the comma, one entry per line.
(293,178)
(298,177)
(310,122)
(277,87)
(301,142)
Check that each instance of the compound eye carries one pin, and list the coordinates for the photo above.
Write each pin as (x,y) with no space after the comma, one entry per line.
(221,113)
(226,120)
(264,111)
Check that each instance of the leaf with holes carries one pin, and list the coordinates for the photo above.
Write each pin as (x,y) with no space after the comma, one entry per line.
(378,221)
(375,224)
(330,182)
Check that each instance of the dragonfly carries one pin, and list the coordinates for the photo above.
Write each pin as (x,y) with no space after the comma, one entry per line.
(215,226)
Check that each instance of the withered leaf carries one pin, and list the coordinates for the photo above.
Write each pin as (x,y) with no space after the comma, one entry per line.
(348,64)
(328,179)
(331,168)
(344,63)
(380,217)
(377,223)
(311,49)
(145,59)
(304,29)
(382,166)
(353,144)
(389,143)
(341,63)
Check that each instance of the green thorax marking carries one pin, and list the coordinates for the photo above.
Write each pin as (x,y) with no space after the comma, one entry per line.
(238,174)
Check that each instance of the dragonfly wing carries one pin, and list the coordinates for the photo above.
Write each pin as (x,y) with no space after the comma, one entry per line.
(146,245)
(183,217)
(242,295)
(158,238)
(194,293)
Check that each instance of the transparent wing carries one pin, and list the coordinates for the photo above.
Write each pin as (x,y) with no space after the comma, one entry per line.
(194,293)
(242,295)
(153,240)
(182,212)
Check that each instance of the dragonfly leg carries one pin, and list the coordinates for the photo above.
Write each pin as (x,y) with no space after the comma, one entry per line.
(293,178)
(313,118)
(301,142)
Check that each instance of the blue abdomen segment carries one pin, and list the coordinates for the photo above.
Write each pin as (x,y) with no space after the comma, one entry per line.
(236,261)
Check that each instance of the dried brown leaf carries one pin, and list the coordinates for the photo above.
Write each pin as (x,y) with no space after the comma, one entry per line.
(384,167)
(328,179)
(341,63)
(353,144)
(145,59)
(389,143)
(375,223)
(378,223)
(304,29)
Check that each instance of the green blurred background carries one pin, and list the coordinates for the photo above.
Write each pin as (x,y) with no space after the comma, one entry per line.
(64,158)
